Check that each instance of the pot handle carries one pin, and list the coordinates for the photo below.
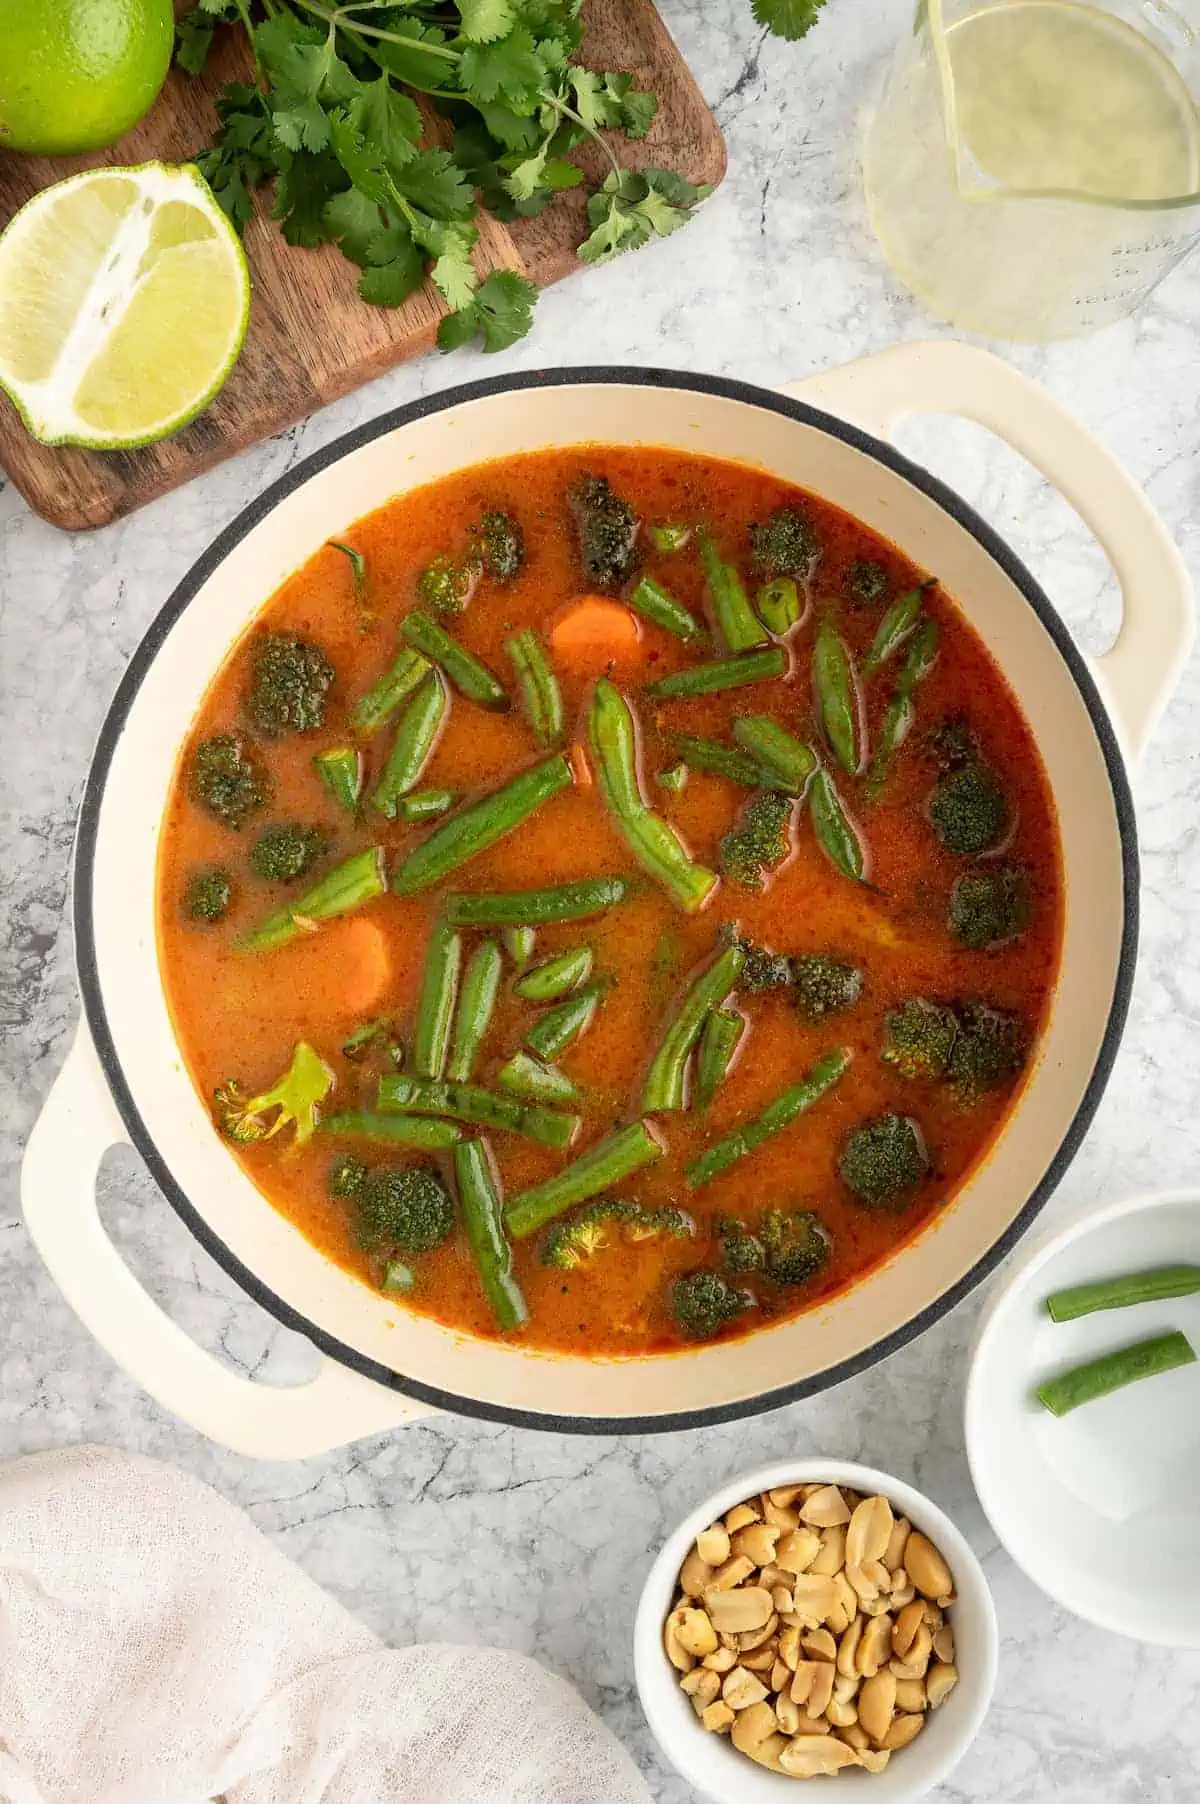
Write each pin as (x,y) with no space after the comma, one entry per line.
(76,1127)
(1138,675)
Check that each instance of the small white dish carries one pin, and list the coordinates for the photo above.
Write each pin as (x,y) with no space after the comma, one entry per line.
(1100,1507)
(711,1764)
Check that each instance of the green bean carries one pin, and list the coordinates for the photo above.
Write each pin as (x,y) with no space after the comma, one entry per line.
(787,760)
(901,710)
(540,693)
(470,1102)
(740,627)
(397,1130)
(655,845)
(435,1003)
(666,1081)
(1112,1371)
(518,941)
(483,1221)
(556,976)
(341,771)
(669,538)
(472,829)
(349,885)
(894,628)
(559,1027)
(416,736)
(721,673)
(536,1081)
(673,779)
(476,1001)
(838,699)
(374,709)
(778,606)
(536,907)
(658,605)
(469,676)
(609,1162)
(774,1118)
(1123,1293)
(426,804)
(356,1043)
(398,1276)
(718,1046)
(721,760)
(836,833)
(358,562)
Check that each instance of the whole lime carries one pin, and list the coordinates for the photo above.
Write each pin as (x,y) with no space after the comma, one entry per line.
(77,74)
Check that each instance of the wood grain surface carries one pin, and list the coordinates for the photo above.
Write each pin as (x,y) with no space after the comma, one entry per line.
(311,338)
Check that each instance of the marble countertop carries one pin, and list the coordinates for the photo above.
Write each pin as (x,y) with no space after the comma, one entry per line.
(457,1530)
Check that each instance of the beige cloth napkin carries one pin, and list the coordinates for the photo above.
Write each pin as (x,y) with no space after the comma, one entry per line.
(156,1649)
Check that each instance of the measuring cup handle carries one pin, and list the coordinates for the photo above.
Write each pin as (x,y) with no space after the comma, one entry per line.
(1138,675)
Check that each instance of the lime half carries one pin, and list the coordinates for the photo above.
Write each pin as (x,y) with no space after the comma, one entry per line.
(124,300)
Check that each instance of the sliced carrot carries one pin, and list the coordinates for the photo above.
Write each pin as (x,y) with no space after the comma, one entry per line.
(594,633)
(342,970)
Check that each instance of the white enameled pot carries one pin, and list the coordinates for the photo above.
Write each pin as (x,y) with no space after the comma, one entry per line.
(124,1079)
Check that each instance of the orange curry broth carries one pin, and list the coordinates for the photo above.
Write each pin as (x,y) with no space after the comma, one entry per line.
(241,1015)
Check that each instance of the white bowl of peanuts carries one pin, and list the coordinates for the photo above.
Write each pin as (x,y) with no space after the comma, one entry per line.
(815,1619)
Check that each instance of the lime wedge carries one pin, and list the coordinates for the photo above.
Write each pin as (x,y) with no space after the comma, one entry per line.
(124,300)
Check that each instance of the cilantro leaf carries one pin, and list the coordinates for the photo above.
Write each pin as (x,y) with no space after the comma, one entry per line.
(508,69)
(787,18)
(396,268)
(611,101)
(303,188)
(541,171)
(390,120)
(483,21)
(354,223)
(500,313)
(632,207)
(193,38)
(424,68)
(434,182)
(453,274)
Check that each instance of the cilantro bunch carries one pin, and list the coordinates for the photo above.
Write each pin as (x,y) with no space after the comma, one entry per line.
(331,122)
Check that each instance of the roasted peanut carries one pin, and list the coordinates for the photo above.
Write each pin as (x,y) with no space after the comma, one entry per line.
(742,1688)
(876,1704)
(824,1508)
(926,1567)
(739,1612)
(901,1731)
(712,1544)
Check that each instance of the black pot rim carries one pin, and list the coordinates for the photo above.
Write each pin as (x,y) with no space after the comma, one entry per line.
(184,593)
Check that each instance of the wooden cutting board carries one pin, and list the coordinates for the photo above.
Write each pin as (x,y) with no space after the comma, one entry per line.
(311,339)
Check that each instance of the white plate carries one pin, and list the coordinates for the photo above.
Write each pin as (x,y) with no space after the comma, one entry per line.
(1102,1507)
(711,1764)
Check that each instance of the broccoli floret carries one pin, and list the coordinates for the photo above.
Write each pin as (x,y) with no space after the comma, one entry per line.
(796,1246)
(952,742)
(704,1302)
(608,528)
(347,1178)
(208,895)
(784,545)
(989,1050)
(501,546)
(759,840)
(919,1037)
(825,985)
(289,680)
(968,809)
(285,851)
(227,780)
(295,1101)
(883,1160)
(990,907)
(866,582)
(763,970)
(570,1244)
(447,585)
(741,1251)
(403,1206)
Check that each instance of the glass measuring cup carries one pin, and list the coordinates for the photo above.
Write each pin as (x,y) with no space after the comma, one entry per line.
(1032,169)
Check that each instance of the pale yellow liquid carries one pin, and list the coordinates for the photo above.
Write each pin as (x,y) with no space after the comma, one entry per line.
(1049,96)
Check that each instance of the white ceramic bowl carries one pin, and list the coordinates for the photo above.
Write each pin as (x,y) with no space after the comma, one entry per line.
(711,1763)
(126,1081)
(1101,1507)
